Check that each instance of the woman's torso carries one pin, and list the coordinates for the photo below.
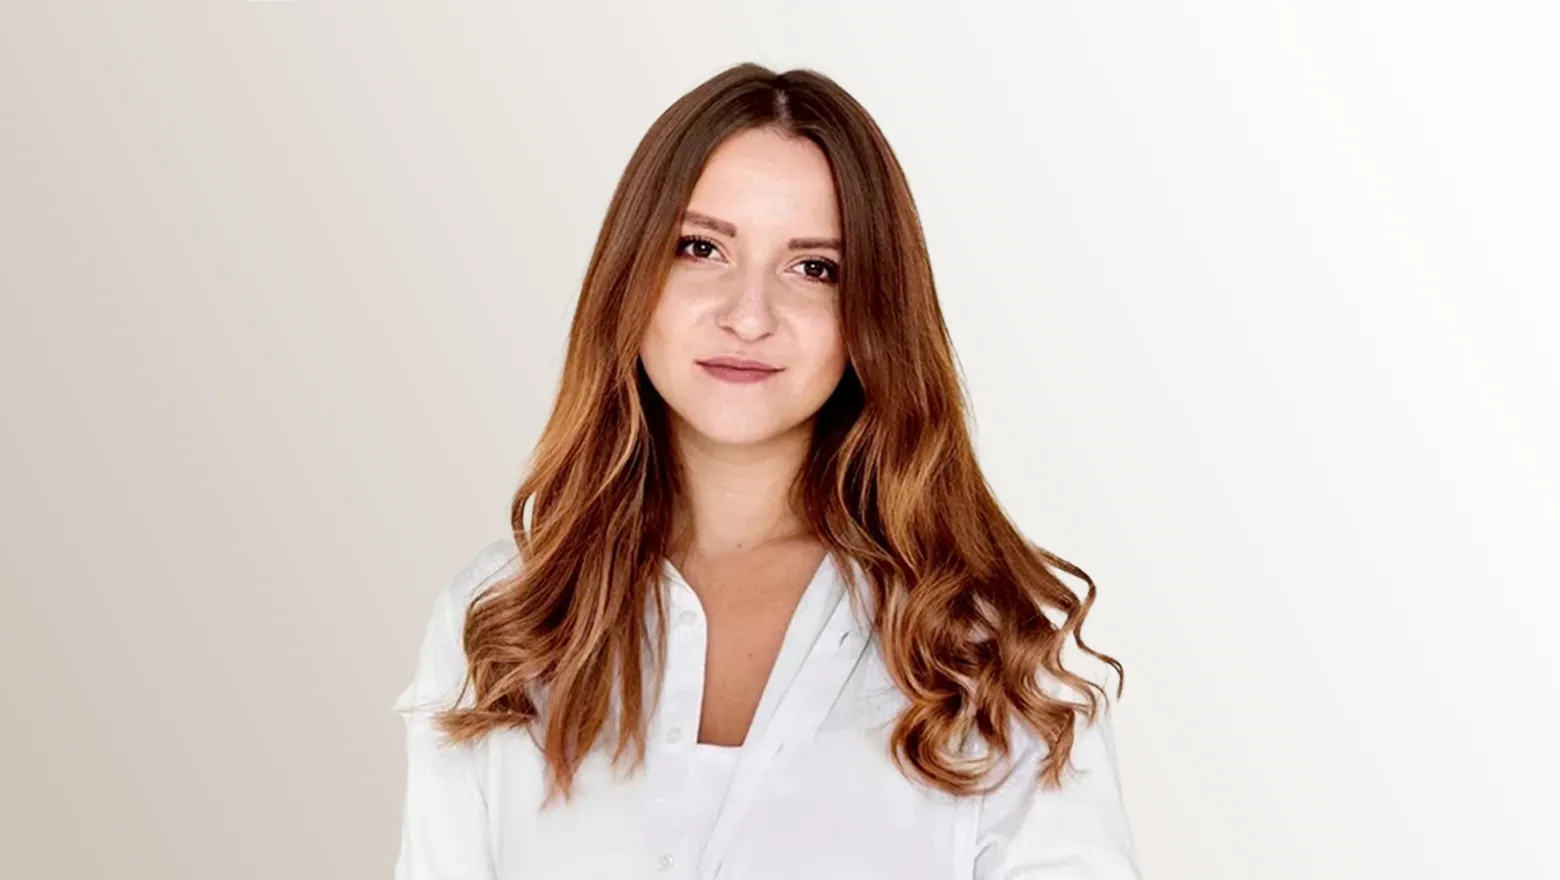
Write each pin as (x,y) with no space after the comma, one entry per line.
(811,793)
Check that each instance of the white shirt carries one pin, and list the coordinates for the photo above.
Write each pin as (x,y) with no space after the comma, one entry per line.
(706,791)
(812,793)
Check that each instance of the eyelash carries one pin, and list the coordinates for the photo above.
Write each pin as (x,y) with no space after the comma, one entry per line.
(832,267)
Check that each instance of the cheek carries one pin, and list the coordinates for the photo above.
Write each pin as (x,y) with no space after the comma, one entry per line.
(669,328)
(825,351)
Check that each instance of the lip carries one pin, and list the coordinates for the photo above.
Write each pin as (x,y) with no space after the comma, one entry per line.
(739,370)
(738,363)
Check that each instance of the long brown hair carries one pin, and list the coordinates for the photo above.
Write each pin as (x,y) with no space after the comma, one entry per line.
(960,598)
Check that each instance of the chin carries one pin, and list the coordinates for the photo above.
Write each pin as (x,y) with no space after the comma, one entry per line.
(728,429)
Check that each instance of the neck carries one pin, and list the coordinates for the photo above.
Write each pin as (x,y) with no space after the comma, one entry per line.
(737,498)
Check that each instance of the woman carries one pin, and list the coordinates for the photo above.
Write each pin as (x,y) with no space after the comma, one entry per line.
(761,616)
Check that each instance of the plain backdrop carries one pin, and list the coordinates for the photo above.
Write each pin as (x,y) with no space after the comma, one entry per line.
(1256,302)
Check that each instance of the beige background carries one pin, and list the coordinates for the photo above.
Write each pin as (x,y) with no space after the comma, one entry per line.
(1257,306)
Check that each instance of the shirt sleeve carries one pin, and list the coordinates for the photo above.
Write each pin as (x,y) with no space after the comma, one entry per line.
(1077,832)
(444,817)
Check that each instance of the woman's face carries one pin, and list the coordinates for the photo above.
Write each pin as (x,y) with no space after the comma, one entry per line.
(745,344)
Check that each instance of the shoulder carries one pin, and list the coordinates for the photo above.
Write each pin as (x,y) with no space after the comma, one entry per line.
(441,663)
(494,561)
(1092,732)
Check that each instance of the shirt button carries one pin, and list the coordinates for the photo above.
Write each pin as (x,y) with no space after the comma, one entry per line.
(687,618)
(665,862)
(674,735)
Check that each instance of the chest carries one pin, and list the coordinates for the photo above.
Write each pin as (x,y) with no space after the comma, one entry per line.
(812,794)
(746,618)
(740,655)
(813,791)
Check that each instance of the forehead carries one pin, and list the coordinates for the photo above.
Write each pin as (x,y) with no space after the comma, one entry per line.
(765,182)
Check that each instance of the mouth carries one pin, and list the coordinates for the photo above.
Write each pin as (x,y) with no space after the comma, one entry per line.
(738,370)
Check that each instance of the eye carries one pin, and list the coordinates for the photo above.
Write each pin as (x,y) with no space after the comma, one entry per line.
(696,246)
(821,270)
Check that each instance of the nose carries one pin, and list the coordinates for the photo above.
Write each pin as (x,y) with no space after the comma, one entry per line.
(748,312)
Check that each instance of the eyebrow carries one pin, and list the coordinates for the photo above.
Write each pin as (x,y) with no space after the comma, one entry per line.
(694,218)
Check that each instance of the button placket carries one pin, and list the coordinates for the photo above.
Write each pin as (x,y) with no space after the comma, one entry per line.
(683,693)
(676,722)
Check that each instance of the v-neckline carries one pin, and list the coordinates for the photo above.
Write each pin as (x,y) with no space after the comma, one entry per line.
(807,621)
(816,668)
(813,609)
